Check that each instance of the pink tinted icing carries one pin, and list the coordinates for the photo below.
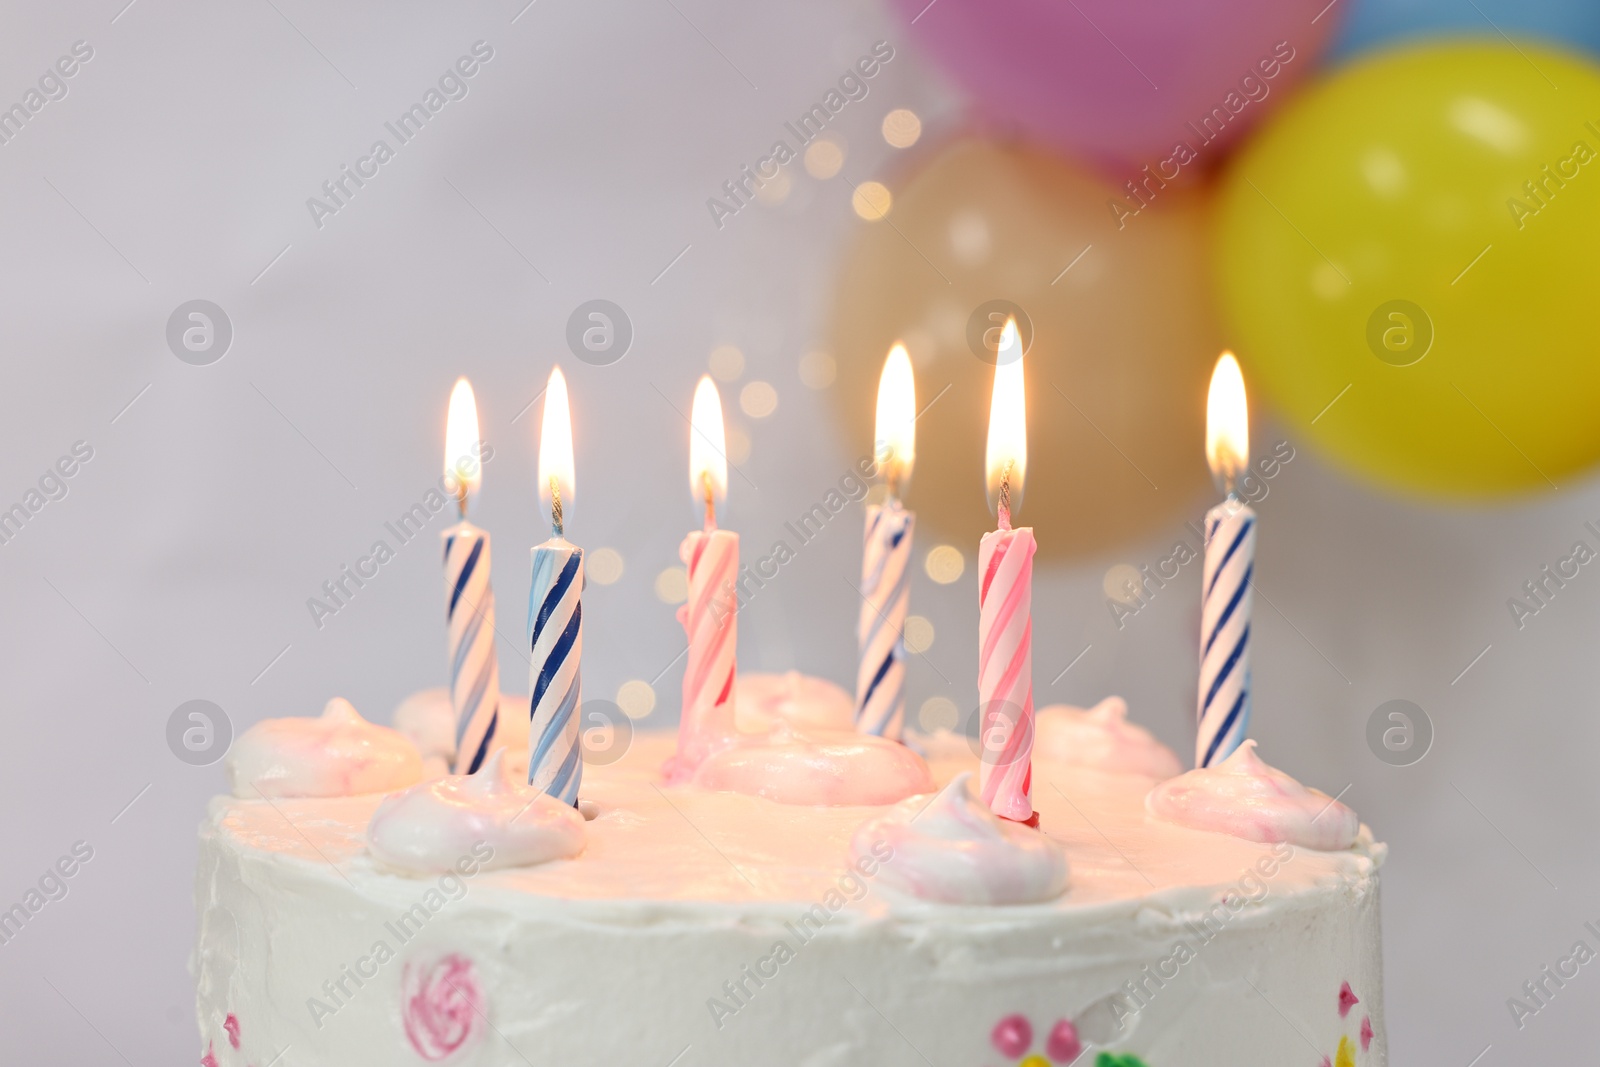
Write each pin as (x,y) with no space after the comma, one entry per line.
(441,1005)
(1244,797)
(430,827)
(826,767)
(231,1024)
(1101,737)
(764,700)
(210,1058)
(952,849)
(1366,1032)
(1347,999)
(336,754)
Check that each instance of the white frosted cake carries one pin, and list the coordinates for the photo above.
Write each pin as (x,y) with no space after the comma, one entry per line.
(429,919)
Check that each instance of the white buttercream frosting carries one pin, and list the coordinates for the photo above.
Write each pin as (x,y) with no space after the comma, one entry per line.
(338,754)
(820,767)
(431,827)
(1245,797)
(762,701)
(952,849)
(1101,737)
(429,719)
(289,896)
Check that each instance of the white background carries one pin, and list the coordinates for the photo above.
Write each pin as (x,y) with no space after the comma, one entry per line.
(578,166)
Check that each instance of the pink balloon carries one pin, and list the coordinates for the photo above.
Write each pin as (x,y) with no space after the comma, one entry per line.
(1124,82)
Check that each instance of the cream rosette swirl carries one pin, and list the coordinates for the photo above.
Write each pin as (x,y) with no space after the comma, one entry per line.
(1101,737)
(338,754)
(762,701)
(954,850)
(826,768)
(430,827)
(1245,797)
(429,719)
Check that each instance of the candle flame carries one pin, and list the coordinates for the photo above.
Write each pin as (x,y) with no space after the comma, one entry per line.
(1006,459)
(1227,422)
(461,443)
(557,478)
(708,447)
(896,441)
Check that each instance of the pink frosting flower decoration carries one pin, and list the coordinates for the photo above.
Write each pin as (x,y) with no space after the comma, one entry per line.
(1013,1036)
(1347,999)
(1063,1045)
(441,1005)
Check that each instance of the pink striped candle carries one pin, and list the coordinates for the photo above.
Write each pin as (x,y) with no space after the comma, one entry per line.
(710,616)
(1005,604)
(1005,669)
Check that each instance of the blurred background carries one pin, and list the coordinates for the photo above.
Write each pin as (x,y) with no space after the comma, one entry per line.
(1385,208)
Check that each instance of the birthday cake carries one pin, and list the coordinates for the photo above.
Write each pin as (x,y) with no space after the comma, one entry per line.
(357,905)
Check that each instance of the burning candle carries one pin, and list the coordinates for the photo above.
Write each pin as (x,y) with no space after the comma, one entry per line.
(709,617)
(1224,705)
(469,602)
(885,574)
(555,614)
(1005,602)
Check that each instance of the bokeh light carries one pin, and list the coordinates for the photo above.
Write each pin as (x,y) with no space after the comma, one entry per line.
(636,698)
(944,563)
(901,127)
(871,200)
(758,400)
(672,585)
(603,566)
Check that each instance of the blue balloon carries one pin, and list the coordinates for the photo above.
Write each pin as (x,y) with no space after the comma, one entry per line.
(1370,24)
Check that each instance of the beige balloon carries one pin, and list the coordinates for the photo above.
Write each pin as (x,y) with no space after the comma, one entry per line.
(1123,342)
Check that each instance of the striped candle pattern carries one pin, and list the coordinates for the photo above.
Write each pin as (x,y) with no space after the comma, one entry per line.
(474,670)
(710,621)
(1224,705)
(555,634)
(880,628)
(1005,671)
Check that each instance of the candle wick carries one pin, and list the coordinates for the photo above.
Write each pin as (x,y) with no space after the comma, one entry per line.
(461,497)
(1227,477)
(1005,497)
(555,507)
(711,503)
(1230,483)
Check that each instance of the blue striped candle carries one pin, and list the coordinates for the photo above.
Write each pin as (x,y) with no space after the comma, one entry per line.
(474,669)
(886,558)
(555,631)
(1225,604)
(880,628)
(555,614)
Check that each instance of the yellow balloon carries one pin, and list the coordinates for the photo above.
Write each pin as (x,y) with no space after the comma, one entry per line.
(1408,258)
(1122,341)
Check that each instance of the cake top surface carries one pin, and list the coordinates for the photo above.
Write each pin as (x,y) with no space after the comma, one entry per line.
(682,846)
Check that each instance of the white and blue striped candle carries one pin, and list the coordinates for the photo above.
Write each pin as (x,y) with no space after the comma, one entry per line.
(1225,598)
(555,616)
(469,600)
(886,559)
